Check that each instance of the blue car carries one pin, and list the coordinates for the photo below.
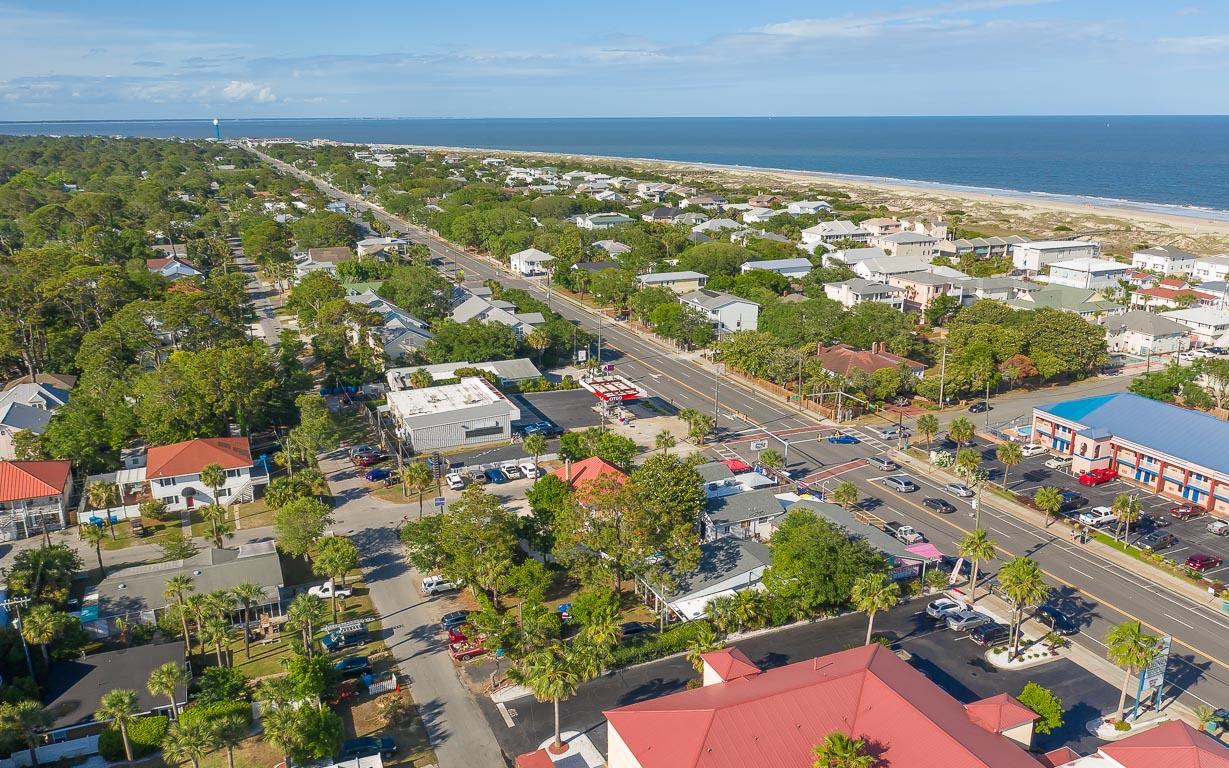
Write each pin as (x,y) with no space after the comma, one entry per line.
(495,476)
(843,439)
(378,474)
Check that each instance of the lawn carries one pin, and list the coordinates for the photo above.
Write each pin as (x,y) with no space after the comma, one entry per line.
(155,532)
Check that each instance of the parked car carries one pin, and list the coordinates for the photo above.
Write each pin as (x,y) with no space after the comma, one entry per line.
(959,489)
(437,584)
(963,621)
(843,439)
(377,474)
(355,450)
(1098,476)
(979,407)
(1149,520)
(327,590)
(511,470)
(1059,462)
(941,608)
(1218,527)
(467,650)
(939,505)
(455,619)
(340,640)
(1156,541)
(632,628)
(990,634)
(892,432)
(1072,500)
(1029,450)
(367,746)
(948,564)
(1097,516)
(461,633)
(1186,511)
(1056,620)
(369,459)
(1202,562)
(478,478)
(543,428)
(353,666)
(900,483)
(455,481)
(882,463)
(530,470)
(495,476)
(1188,355)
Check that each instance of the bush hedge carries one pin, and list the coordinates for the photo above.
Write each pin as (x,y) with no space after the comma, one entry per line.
(208,713)
(654,645)
(144,733)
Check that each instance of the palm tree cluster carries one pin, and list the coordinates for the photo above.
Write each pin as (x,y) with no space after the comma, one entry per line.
(211,614)
(698,424)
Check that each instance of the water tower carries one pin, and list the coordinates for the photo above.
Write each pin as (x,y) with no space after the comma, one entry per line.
(217,131)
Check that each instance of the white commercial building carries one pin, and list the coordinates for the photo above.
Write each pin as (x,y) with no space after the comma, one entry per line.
(1164,260)
(1096,274)
(1031,257)
(471,412)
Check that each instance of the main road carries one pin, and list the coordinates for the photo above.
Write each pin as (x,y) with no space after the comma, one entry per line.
(1094,589)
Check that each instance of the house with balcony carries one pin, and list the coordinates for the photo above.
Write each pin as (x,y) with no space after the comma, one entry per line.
(1097,274)
(1164,260)
(1146,333)
(1084,302)
(746,515)
(401,334)
(1208,325)
(603,220)
(932,226)
(1031,258)
(1171,293)
(996,288)
(979,248)
(833,231)
(34,497)
(1210,268)
(173,472)
(530,261)
(727,313)
(679,282)
(920,289)
(808,207)
(28,407)
(912,244)
(885,267)
(857,290)
(320,260)
(880,226)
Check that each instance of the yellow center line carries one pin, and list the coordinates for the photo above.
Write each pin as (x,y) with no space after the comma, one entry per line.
(1061,580)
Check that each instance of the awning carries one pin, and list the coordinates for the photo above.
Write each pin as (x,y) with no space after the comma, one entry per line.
(737,465)
(925,550)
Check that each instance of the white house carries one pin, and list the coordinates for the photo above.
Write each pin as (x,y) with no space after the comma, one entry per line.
(485,311)
(886,267)
(1098,274)
(707,202)
(613,247)
(852,256)
(727,313)
(857,290)
(1210,326)
(174,472)
(33,497)
(1031,257)
(791,268)
(373,245)
(27,407)
(1164,260)
(470,412)
(808,207)
(679,282)
(401,334)
(760,215)
(933,226)
(603,220)
(906,244)
(880,226)
(1145,333)
(832,231)
(1211,268)
(716,225)
(320,260)
(530,261)
(172,267)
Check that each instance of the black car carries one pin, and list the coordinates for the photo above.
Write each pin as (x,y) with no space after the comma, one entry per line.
(368,745)
(939,505)
(1148,521)
(633,628)
(455,619)
(1072,500)
(1055,620)
(979,407)
(353,666)
(990,634)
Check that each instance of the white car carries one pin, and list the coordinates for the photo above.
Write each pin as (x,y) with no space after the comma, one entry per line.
(1059,462)
(455,481)
(1218,527)
(1204,352)
(1188,355)
(1097,516)
(1032,449)
(943,607)
(434,585)
(530,470)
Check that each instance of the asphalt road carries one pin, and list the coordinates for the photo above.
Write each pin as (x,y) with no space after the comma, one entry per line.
(1095,591)
(951,661)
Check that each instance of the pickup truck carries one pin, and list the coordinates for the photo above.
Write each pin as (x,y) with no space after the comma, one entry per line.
(904,533)
(327,589)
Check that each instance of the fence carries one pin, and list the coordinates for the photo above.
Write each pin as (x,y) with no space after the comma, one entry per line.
(50,753)
(852,409)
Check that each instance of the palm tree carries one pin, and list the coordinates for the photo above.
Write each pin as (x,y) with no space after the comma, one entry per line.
(421,379)
(189,740)
(1048,500)
(720,613)
(535,446)
(1009,455)
(705,641)
(27,718)
(872,593)
(175,588)
(840,750)
(247,594)
(845,494)
(94,535)
(961,430)
(978,547)
(167,679)
(1024,584)
(120,706)
(1129,646)
(335,557)
(216,515)
(284,727)
(1126,508)
(197,607)
(664,440)
(418,477)
(928,427)
(746,607)
(539,340)
(40,625)
(228,732)
(306,612)
(967,462)
(214,476)
(552,676)
(771,457)
(216,632)
(101,496)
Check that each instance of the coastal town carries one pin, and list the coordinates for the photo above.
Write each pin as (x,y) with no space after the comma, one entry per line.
(316,453)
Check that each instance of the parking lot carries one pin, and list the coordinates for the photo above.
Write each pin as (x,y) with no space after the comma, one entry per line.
(571,409)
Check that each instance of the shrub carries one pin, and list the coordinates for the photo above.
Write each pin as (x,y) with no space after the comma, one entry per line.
(1122,725)
(221,684)
(209,713)
(140,634)
(653,645)
(144,733)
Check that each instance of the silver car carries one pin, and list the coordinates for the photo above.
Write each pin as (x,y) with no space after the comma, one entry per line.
(963,621)
(900,483)
(959,489)
(943,607)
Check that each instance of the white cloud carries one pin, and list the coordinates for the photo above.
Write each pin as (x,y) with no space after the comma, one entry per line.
(1197,44)
(851,25)
(241,90)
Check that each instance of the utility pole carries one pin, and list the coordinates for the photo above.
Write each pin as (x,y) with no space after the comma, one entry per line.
(987,402)
(942,375)
(800,401)
(600,315)
(17,603)
(716,392)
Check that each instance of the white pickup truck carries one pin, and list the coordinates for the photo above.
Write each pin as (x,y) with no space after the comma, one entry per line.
(904,533)
(328,590)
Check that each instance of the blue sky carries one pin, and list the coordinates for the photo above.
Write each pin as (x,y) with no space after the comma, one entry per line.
(128,59)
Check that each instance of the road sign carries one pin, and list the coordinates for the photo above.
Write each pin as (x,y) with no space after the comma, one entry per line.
(439,501)
(1154,673)
(759,445)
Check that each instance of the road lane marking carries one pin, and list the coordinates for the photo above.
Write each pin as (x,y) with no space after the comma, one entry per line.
(1077,570)
(1183,623)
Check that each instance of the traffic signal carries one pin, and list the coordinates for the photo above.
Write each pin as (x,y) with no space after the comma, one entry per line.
(437,466)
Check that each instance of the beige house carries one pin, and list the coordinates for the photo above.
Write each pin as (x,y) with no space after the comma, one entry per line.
(921,288)
(679,282)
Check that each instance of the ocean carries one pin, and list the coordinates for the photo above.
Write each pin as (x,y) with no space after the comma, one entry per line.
(1167,164)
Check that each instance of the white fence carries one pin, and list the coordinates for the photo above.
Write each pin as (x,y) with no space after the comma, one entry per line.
(50,753)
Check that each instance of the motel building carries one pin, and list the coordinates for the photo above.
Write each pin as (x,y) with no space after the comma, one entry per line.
(1171,451)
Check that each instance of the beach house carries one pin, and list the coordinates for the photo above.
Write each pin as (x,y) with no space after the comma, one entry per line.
(1031,258)
(1164,260)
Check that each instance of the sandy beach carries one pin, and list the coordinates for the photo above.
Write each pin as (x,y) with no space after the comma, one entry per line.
(1118,225)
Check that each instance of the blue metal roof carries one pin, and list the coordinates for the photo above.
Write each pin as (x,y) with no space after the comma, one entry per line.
(1189,435)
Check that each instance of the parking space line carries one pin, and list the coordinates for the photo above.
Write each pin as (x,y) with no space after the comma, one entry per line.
(1218,570)
(1077,570)
(503,711)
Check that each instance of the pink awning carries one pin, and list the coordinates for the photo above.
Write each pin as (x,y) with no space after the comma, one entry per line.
(925,550)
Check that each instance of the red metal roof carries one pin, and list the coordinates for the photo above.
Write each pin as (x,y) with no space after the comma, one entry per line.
(1057,757)
(1173,293)
(1173,745)
(844,359)
(32,479)
(588,470)
(536,759)
(189,457)
(777,717)
(999,713)
(730,664)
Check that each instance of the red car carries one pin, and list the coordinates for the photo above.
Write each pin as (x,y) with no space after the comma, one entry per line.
(368,459)
(1098,476)
(460,634)
(1186,511)
(1202,562)
(466,651)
